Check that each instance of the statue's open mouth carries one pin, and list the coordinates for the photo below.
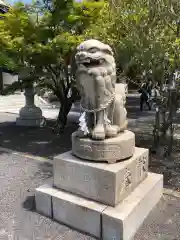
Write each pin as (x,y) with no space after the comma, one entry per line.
(89,63)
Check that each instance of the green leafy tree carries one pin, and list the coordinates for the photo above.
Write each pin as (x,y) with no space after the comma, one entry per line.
(42,37)
(144,37)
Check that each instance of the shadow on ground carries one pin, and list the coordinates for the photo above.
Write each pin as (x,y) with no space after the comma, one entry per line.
(43,142)
(29,203)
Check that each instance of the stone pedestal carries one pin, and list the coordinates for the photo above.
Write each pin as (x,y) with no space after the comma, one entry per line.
(108,201)
(109,150)
(102,182)
(102,188)
(30,115)
(99,220)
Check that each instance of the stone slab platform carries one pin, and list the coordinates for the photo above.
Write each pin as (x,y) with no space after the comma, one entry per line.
(101,221)
(105,183)
(78,213)
(31,122)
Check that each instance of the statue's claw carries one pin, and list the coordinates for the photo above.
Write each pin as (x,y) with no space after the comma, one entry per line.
(124,127)
(98,133)
(112,130)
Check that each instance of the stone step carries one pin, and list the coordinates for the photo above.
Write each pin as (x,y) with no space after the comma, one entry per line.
(99,220)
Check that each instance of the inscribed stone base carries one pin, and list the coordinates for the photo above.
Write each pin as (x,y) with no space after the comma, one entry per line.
(103,222)
(123,221)
(37,122)
(102,182)
(109,150)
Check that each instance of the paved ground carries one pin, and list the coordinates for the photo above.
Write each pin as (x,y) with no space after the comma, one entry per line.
(19,176)
(13,103)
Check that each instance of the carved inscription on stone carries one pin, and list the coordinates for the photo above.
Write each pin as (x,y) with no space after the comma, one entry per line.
(142,165)
(127,181)
(86,148)
(113,150)
(127,178)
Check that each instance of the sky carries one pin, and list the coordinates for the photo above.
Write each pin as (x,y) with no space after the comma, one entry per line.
(25,1)
(12,1)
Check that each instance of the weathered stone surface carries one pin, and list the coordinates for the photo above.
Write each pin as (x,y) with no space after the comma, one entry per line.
(102,137)
(101,98)
(43,199)
(123,221)
(76,212)
(30,115)
(109,150)
(101,221)
(102,182)
(29,122)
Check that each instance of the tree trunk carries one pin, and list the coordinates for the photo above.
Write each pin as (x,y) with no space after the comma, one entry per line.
(172,113)
(164,130)
(65,107)
(156,130)
(63,113)
(62,116)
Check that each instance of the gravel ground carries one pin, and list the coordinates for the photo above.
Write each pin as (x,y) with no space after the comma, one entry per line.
(19,177)
(18,221)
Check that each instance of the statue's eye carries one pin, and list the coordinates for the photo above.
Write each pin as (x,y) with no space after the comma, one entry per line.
(93,50)
(107,51)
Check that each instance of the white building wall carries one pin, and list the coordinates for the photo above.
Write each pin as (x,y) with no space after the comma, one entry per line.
(8,78)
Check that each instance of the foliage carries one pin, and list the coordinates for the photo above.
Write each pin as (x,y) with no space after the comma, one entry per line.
(42,37)
(142,33)
(144,36)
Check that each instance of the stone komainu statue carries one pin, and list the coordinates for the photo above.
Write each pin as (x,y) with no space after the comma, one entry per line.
(102,100)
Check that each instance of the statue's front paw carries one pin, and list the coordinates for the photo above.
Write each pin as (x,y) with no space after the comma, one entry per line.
(124,126)
(94,72)
(112,130)
(98,133)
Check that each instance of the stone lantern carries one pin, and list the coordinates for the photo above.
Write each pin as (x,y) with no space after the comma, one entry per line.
(30,114)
